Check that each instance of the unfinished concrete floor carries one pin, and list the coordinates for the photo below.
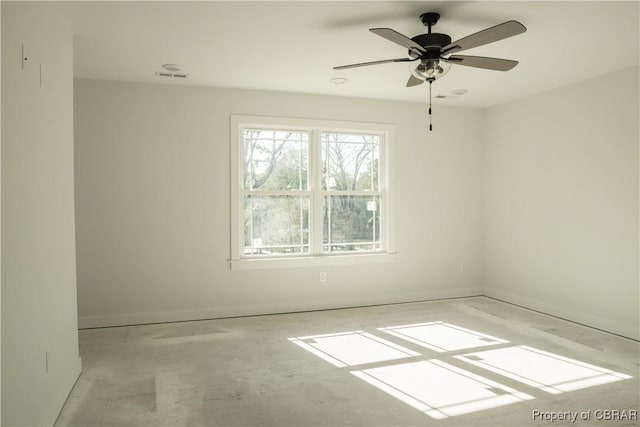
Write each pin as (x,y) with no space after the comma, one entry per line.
(460,362)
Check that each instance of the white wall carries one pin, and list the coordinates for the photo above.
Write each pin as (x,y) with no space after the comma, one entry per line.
(153,213)
(0,230)
(561,202)
(39,319)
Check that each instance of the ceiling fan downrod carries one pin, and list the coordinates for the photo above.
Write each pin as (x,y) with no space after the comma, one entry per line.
(429,19)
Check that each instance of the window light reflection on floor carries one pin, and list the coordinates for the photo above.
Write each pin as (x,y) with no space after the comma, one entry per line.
(547,371)
(442,337)
(352,348)
(440,390)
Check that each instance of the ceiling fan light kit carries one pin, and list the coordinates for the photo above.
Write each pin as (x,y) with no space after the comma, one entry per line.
(431,50)
(424,71)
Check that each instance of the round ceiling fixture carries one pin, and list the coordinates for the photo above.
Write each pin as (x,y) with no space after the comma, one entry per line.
(339,80)
(171,67)
(459,92)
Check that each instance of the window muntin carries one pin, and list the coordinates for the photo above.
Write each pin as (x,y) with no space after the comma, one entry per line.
(308,188)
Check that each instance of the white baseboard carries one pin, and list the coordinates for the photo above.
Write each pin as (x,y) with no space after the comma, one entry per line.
(85,322)
(61,394)
(587,319)
(603,323)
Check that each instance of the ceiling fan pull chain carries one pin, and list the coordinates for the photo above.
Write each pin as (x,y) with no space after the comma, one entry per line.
(430,125)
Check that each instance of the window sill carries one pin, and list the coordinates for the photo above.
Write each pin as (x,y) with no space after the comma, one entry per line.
(311,261)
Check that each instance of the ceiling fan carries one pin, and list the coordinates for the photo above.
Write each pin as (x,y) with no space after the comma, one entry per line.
(431,48)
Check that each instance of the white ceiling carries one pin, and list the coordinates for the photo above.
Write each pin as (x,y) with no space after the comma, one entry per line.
(292,46)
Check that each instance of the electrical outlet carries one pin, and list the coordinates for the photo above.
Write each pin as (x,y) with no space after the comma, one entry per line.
(323,276)
(463,267)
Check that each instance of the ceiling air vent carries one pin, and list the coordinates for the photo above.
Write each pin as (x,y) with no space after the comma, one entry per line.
(174,75)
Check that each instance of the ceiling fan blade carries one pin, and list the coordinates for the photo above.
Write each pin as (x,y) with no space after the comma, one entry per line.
(482,62)
(364,64)
(414,81)
(489,35)
(397,38)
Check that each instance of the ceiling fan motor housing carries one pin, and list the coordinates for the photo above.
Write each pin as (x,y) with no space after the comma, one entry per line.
(432,44)
(432,40)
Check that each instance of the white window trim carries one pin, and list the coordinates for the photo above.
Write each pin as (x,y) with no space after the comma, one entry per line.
(237,262)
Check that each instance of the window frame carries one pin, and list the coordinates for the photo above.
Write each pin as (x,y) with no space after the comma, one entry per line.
(315,127)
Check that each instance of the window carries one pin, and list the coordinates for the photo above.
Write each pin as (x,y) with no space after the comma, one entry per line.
(307,189)
(276,194)
(351,191)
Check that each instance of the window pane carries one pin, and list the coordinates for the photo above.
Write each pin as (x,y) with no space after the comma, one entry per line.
(351,223)
(276,225)
(276,160)
(350,162)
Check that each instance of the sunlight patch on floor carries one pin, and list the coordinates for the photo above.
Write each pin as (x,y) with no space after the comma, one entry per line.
(352,348)
(442,337)
(440,390)
(547,371)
